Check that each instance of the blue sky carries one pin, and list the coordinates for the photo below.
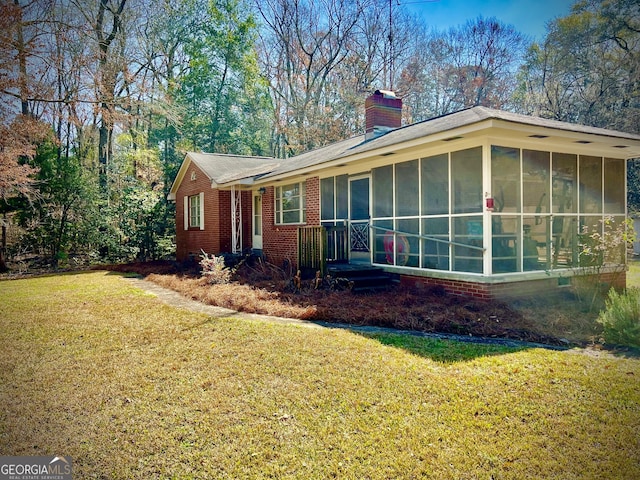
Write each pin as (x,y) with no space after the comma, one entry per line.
(527,16)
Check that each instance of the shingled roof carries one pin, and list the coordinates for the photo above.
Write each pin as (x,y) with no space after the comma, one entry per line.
(228,169)
(225,168)
(356,145)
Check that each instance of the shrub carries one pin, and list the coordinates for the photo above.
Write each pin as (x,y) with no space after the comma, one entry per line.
(602,255)
(621,318)
(214,269)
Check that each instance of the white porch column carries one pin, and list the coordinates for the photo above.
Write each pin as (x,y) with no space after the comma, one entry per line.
(236,220)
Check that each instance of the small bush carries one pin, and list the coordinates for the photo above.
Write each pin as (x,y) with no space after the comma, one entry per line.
(621,318)
(215,270)
(602,254)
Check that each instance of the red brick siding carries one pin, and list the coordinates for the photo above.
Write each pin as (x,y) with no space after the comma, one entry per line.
(280,242)
(615,279)
(313,201)
(223,220)
(192,240)
(500,291)
(247,216)
(216,237)
(453,287)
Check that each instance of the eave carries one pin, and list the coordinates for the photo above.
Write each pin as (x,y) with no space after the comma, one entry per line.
(604,142)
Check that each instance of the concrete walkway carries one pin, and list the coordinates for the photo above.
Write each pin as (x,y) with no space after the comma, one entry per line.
(175,299)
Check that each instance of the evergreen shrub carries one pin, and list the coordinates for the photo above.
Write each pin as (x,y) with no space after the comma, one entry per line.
(621,317)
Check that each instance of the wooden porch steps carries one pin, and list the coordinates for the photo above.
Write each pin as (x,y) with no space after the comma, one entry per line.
(363,277)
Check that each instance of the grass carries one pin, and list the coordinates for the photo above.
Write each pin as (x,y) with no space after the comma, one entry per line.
(130,388)
(633,274)
(443,351)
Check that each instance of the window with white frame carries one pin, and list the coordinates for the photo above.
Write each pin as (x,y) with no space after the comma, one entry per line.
(194,211)
(291,204)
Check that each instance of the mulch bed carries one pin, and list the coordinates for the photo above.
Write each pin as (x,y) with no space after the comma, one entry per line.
(425,309)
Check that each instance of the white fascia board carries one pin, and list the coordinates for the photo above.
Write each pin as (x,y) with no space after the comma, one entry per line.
(601,143)
(245,182)
(179,177)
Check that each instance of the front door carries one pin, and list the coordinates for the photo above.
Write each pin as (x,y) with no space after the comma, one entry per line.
(257,221)
(359,217)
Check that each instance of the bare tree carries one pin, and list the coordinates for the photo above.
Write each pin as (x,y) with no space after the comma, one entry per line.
(303,45)
(587,70)
(474,64)
(105,28)
(20,132)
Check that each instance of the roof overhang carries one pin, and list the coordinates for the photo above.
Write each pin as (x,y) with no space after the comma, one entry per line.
(242,182)
(605,142)
(232,170)
(446,133)
(600,142)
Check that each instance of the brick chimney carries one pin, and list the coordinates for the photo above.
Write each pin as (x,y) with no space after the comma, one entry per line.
(383,112)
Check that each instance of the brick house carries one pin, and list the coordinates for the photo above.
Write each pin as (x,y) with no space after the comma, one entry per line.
(205,219)
(481,201)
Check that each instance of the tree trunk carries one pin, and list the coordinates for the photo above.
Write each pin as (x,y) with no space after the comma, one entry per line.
(22,63)
(106,83)
(104,152)
(3,245)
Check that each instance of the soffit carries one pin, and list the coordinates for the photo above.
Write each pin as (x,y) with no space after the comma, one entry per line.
(453,131)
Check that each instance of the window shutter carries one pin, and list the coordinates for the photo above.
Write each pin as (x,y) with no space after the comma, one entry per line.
(201,210)
(186,212)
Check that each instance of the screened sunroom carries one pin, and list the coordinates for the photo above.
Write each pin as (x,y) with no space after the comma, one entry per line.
(481,201)
(483,211)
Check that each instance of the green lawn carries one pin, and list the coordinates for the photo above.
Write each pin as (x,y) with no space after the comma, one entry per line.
(633,275)
(93,368)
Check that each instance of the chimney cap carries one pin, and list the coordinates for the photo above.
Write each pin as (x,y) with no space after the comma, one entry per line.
(386,93)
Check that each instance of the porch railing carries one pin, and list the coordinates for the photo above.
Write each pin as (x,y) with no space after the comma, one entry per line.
(317,245)
(428,237)
(312,247)
(337,243)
